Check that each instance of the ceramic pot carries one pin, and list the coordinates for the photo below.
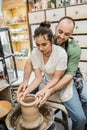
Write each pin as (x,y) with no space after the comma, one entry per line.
(31,117)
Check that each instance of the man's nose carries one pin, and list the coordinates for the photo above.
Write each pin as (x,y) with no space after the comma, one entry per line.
(62,36)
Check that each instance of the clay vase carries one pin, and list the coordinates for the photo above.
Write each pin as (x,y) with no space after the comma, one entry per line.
(31,117)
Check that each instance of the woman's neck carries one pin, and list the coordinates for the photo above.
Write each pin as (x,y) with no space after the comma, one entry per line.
(47,56)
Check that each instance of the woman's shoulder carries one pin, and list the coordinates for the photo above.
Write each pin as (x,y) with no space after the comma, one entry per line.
(58,49)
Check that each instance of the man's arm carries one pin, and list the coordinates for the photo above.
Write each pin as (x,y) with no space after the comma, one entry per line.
(73,61)
(57,76)
(64,81)
(59,86)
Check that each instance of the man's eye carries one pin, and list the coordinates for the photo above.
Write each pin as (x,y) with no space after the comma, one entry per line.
(60,32)
(67,35)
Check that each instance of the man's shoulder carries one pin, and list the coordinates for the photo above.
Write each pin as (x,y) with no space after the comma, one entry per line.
(74,48)
(72,41)
(73,44)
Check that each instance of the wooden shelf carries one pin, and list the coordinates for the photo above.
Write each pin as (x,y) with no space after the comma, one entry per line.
(15,14)
(3,84)
(19,23)
(11,4)
(21,41)
(19,32)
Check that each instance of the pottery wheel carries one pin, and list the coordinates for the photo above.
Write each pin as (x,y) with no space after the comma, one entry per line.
(41,127)
(13,118)
(31,125)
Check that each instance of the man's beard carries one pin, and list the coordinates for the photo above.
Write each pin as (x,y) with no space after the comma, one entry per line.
(56,41)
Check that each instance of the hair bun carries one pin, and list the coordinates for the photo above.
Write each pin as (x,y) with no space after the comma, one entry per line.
(46,24)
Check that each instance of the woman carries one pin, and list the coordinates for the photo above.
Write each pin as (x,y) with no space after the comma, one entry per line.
(48,60)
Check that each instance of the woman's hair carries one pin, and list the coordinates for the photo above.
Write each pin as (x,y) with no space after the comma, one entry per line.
(46,24)
(44,29)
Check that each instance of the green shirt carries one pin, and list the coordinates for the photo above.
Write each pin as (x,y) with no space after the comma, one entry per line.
(74,53)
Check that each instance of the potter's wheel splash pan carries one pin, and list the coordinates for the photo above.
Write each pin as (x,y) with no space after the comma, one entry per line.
(12,121)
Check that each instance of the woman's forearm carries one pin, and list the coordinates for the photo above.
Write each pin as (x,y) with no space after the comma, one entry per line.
(27,71)
(34,84)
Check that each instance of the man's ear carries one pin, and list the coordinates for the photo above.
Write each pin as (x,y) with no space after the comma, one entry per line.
(53,40)
(70,39)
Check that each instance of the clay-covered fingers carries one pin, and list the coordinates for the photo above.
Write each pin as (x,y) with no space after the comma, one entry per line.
(21,89)
(43,100)
(20,96)
(43,97)
(26,92)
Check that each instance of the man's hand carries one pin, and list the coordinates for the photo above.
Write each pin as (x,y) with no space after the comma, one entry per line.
(21,90)
(43,96)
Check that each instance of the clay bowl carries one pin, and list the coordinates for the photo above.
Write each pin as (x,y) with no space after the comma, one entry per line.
(5,107)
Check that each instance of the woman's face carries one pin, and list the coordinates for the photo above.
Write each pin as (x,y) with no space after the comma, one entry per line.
(43,44)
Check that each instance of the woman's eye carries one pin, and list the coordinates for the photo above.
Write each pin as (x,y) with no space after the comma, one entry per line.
(44,44)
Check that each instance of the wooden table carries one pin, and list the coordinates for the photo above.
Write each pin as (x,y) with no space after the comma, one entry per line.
(4,90)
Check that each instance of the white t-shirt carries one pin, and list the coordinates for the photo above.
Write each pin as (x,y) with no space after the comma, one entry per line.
(56,61)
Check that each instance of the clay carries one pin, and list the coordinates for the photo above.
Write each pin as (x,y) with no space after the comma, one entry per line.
(31,117)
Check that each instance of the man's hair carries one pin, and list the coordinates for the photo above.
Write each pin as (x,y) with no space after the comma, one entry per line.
(67,18)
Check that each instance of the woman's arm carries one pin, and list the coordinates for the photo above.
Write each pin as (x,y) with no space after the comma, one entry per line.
(34,84)
(27,72)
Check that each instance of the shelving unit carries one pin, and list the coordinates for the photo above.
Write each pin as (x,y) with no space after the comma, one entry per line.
(76,11)
(15,17)
(7,59)
(7,56)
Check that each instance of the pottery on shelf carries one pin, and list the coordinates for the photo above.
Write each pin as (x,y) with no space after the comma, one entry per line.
(30,117)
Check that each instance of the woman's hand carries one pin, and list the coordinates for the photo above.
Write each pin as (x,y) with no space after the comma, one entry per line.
(26,92)
(21,90)
(43,96)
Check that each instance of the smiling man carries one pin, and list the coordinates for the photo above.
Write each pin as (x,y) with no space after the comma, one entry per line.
(75,103)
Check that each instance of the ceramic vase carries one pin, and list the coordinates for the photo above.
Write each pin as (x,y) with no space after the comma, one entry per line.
(31,117)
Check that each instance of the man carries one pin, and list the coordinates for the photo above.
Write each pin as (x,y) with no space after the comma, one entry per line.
(77,107)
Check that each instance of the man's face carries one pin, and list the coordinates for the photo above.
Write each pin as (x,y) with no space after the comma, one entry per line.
(63,31)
